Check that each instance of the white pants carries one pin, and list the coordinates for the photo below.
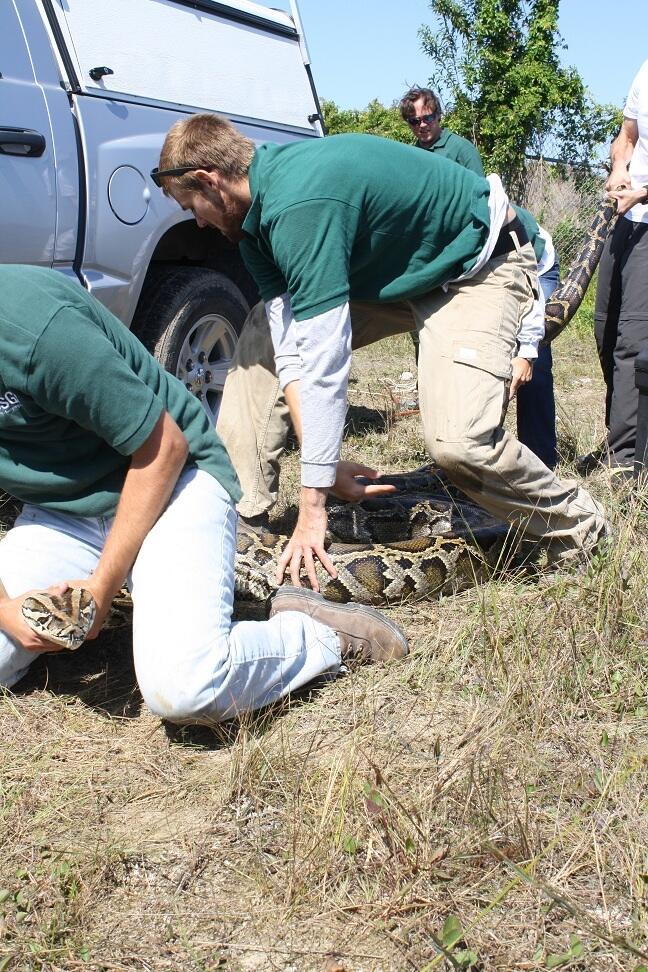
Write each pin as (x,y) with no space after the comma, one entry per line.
(192,663)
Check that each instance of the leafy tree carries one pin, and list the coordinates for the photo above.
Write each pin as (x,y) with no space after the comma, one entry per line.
(496,65)
(375,119)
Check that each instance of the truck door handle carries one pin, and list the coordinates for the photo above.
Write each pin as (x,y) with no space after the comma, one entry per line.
(21,141)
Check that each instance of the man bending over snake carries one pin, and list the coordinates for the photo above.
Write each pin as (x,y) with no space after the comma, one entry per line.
(123,478)
(351,239)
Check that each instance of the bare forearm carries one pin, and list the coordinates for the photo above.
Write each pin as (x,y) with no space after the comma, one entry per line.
(148,485)
(621,153)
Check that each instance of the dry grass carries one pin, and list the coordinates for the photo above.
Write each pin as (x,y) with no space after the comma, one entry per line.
(481,805)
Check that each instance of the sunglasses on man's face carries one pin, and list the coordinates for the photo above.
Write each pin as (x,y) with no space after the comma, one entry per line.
(428,119)
(157,174)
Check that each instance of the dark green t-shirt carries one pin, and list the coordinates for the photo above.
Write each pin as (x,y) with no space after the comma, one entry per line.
(356,217)
(79,395)
(459,149)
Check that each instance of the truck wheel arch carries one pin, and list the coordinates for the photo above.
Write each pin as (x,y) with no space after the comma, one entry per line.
(190,318)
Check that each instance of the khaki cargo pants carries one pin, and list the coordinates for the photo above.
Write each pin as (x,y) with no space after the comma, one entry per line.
(467,342)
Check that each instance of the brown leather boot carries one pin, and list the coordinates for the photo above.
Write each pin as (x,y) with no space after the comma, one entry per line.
(365,635)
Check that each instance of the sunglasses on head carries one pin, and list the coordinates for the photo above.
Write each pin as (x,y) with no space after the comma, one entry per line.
(428,119)
(157,174)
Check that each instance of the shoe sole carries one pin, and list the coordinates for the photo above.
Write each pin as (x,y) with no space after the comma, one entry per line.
(303,594)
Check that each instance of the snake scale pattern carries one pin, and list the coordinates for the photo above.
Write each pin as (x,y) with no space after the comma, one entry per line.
(567,297)
(427,540)
(64,619)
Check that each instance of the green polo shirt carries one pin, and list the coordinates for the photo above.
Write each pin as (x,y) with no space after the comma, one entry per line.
(79,395)
(459,149)
(357,217)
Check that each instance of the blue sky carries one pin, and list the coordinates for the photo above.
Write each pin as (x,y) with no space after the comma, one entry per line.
(361,50)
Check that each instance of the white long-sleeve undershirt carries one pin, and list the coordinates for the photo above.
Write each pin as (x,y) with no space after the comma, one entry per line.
(317,353)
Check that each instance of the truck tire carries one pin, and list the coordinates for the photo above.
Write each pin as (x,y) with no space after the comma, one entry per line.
(190,318)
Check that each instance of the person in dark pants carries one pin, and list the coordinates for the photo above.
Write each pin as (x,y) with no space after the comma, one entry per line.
(621,313)
(536,407)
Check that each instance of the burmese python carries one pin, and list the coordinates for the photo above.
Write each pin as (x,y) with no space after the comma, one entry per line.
(428,539)
(567,297)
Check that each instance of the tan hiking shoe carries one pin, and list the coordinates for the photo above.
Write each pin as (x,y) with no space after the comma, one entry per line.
(365,635)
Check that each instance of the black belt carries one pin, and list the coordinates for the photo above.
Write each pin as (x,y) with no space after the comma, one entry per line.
(505,242)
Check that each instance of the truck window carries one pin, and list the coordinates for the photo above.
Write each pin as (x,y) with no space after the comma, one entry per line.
(241,59)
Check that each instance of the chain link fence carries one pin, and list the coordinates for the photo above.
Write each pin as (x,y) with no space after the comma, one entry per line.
(564,200)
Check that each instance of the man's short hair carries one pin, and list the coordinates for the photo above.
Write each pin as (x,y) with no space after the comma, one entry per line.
(205,141)
(407,101)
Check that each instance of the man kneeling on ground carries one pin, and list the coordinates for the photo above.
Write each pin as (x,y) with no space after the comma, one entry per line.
(122,477)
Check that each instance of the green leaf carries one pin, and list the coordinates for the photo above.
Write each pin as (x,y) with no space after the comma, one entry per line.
(375,799)
(452,932)
(4,963)
(575,946)
(555,961)
(410,846)
(466,958)
(84,953)
(350,845)
(605,739)
(4,894)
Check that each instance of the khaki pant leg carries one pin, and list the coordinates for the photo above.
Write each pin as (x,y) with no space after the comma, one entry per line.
(371,322)
(467,342)
(253,420)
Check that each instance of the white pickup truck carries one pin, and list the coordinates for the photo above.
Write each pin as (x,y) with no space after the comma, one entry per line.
(88,90)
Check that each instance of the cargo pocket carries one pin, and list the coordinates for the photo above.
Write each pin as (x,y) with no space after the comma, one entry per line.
(473,400)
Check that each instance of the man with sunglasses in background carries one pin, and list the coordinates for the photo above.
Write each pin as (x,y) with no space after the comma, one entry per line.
(420,108)
(351,239)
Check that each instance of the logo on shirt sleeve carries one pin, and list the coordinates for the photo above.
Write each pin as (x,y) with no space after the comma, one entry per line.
(9,402)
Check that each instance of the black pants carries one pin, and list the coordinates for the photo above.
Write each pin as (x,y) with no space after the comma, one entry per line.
(621,328)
